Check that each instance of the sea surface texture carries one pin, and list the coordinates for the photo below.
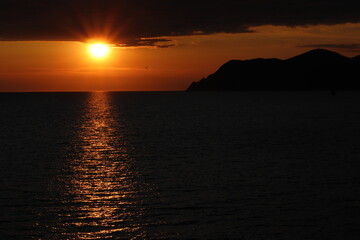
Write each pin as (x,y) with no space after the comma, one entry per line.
(180,165)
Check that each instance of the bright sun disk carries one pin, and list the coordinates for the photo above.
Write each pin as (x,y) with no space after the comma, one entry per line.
(98,50)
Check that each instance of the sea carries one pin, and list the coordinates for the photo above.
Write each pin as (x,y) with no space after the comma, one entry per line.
(180,165)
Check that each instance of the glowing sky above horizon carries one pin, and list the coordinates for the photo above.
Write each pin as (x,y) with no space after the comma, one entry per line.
(156,62)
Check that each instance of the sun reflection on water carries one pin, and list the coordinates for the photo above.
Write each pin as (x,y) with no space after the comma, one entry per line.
(102,187)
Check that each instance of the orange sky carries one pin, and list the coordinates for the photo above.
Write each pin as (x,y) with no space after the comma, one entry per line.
(67,66)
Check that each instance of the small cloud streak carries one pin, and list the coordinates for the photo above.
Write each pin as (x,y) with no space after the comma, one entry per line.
(149,42)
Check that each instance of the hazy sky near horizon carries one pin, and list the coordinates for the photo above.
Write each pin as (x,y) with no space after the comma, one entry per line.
(159,45)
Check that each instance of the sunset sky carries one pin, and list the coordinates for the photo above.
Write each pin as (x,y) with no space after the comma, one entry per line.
(159,45)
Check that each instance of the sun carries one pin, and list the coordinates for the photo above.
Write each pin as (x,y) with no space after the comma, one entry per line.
(98,50)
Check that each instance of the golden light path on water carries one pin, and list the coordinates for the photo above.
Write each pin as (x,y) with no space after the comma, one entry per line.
(102,184)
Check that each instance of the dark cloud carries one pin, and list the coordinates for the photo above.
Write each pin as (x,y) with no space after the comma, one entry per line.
(130,21)
(348,47)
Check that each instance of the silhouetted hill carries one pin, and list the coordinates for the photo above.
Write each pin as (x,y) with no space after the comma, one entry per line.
(356,59)
(317,56)
(317,69)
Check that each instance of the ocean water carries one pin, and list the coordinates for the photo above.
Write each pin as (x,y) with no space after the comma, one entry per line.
(180,165)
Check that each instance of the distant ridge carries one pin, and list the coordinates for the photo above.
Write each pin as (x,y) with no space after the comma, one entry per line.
(319,56)
(318,69)
(356,59)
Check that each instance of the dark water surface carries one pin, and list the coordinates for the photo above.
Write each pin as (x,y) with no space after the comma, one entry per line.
(179,165)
